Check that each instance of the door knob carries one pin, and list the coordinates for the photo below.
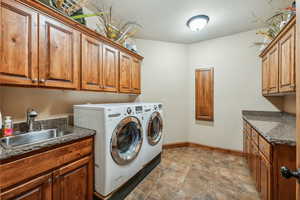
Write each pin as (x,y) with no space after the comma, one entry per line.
(287,173)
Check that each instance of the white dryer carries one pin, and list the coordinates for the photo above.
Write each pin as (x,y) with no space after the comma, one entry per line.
(153,131)
(118,142)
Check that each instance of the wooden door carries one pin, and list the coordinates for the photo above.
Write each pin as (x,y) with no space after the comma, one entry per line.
(91,64)
(37,189)
(265,75)
(125,73)
(110,69)
(265,178)
(19,44)
(59,54)
(136,76)
(273,70)
(204,93)
(74,181)
(287,62)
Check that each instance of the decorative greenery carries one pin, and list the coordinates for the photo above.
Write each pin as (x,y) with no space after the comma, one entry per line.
(113,28)
(274,23)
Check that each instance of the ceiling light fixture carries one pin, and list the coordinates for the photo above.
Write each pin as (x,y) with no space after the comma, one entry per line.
(197,22)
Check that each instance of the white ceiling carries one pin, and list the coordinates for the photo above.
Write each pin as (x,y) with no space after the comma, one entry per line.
(165,19)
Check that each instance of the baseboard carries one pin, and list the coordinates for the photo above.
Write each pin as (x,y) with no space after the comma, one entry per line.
(175,145)
(210,148)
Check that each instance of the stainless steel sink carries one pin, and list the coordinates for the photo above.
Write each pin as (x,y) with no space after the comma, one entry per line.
(31,138)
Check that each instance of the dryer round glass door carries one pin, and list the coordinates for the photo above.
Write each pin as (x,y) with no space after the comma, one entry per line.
(155,126)
(126,141)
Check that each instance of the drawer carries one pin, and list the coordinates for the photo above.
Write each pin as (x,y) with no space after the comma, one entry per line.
(254,136)
(28,167)
(265,148)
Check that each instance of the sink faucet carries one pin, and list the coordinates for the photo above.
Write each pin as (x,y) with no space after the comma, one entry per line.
(31,115)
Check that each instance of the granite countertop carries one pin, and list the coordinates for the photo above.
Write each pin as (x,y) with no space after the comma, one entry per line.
(275,127)
(77,133)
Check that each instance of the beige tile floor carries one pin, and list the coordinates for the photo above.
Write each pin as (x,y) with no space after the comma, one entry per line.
(196,174)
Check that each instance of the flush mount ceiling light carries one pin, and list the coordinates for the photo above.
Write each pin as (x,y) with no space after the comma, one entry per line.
(197,22)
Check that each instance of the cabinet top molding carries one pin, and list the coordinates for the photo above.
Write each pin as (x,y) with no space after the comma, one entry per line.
(287,27)
(35,4)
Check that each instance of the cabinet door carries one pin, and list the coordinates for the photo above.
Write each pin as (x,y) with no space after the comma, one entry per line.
(136,76)
(254,168)
(19,44)
(245,138)
(265,75)
(91,64)
(37,189)
(110,69)
(74,181)
(287,62)
(125,73)
(59,54)
(273,70)
(265,178)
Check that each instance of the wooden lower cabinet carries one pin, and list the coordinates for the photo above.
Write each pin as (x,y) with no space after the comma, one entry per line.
(265,178)
(73,181)
(60,179)
(264,161)
(36,189)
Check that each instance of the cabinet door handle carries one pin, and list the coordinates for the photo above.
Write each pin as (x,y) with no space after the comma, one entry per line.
(287,173)
(42,80)
(34,80)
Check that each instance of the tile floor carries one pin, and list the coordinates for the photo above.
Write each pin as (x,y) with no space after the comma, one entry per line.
(196,174)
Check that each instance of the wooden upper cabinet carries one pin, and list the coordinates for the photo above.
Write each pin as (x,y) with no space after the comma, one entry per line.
(74,181)
(265,75)
(287,61)
(91,64)
(136,76)
(204,103)
(19,44)
(44,51)
(37,189)
(59,54)
(110,68)
(125,73)
(273,70)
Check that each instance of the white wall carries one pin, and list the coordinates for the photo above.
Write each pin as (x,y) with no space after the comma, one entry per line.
(237,77)
(164,79)
(289,105)
(49,102)
(168,77)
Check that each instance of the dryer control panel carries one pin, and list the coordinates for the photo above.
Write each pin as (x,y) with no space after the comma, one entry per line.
(139,109)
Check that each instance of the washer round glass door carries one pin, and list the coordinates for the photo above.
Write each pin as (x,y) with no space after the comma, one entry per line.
(127,140)
(155,126)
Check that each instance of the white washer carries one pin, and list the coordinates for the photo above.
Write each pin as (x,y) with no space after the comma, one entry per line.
(118,142)
(153,131)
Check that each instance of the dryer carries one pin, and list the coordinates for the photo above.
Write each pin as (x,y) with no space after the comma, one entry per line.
(118,142)
(153,131)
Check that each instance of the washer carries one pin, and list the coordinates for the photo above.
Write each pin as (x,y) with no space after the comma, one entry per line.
(118,142)
(153,131)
